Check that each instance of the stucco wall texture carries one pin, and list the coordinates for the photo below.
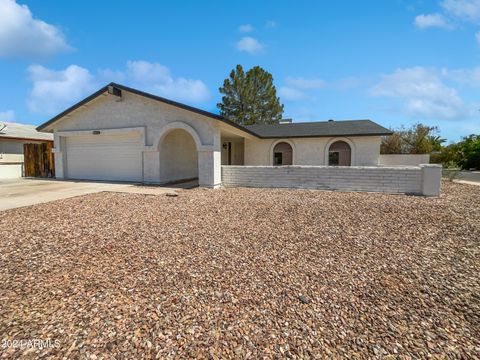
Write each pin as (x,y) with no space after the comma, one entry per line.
(178,144)
(313,151)
(132,111)
(404,159)
(184,163)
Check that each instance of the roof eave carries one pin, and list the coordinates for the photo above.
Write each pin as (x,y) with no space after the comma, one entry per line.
(322,135)
(104,89)
(24,138)
(41,127)
(147,95)
(183,106)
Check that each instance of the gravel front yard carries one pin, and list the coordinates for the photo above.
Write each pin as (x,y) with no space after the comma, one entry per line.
(243,273)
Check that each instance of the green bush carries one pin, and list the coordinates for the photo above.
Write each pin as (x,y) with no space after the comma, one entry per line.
(468,152)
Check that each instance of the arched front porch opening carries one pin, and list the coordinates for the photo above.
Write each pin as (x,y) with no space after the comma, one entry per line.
(178,157)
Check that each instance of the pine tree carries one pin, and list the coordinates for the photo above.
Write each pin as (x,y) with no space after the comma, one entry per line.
(250,98)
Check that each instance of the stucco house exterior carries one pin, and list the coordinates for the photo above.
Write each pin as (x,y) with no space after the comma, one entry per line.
(122,134)
(12,138)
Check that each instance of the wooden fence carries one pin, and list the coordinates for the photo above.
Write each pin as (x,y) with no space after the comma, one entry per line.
(38,160)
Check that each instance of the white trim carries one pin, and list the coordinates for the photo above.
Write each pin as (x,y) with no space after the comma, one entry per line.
(289,142)
(348,141)
(175,126)
(139,129)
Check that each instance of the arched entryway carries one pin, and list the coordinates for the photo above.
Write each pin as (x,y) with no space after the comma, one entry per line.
(339,154)
(282,154)
(178,157)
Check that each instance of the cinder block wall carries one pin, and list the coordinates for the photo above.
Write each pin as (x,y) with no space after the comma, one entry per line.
(419,180)
(403,159)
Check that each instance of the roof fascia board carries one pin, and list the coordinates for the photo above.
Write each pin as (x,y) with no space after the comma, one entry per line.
(104,89)
(45,126)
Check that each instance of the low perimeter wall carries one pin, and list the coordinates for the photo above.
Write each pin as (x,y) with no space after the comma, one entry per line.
(403,159)
(418,180)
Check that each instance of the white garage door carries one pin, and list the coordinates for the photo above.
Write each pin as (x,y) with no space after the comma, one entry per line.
(104,157)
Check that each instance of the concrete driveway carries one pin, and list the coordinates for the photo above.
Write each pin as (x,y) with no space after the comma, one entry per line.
(25,192)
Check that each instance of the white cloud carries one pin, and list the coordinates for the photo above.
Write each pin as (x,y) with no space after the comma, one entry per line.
(305,83)
(109,75)
(296,88)
(432,20)
(291,94)
(7,116)
(23,36)
(53,91)
(250,45)
(477,37)
(302,113)
(463,9)
(469,77)
(246,28)
(157,79)
(300,88)
(146,73)
(422,93)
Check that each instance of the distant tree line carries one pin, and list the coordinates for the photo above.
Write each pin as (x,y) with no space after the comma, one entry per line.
(464,154)
(423,139)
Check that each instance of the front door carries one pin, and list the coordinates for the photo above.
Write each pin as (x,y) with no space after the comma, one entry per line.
(227,153)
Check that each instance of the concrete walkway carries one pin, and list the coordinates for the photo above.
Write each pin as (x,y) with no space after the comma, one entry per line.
(25,192)
(477,183)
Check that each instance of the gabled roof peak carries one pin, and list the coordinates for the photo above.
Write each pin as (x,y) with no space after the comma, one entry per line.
(285,129)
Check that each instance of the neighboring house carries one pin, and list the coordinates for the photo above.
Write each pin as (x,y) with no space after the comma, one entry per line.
(123,134)
(12,138)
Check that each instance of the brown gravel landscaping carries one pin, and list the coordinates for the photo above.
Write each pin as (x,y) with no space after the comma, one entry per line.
(244,273)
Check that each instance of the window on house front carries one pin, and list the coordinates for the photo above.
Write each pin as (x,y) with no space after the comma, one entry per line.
(282,154)
(339,154)
(333,157)
(277,158)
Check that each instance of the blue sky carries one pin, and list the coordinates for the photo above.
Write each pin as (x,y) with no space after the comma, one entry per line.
(396,62)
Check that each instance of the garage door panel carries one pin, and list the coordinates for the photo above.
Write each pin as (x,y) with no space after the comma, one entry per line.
(104,157)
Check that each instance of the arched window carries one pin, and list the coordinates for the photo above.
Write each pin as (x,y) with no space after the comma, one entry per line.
(339,154)
(282,154)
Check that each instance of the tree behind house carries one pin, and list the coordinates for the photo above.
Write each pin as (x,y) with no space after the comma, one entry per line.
(250,98)
(418,139)
(468,152)
(391,144)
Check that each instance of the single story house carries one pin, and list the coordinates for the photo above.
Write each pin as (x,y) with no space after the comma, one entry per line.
(12,138)
(122,134)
